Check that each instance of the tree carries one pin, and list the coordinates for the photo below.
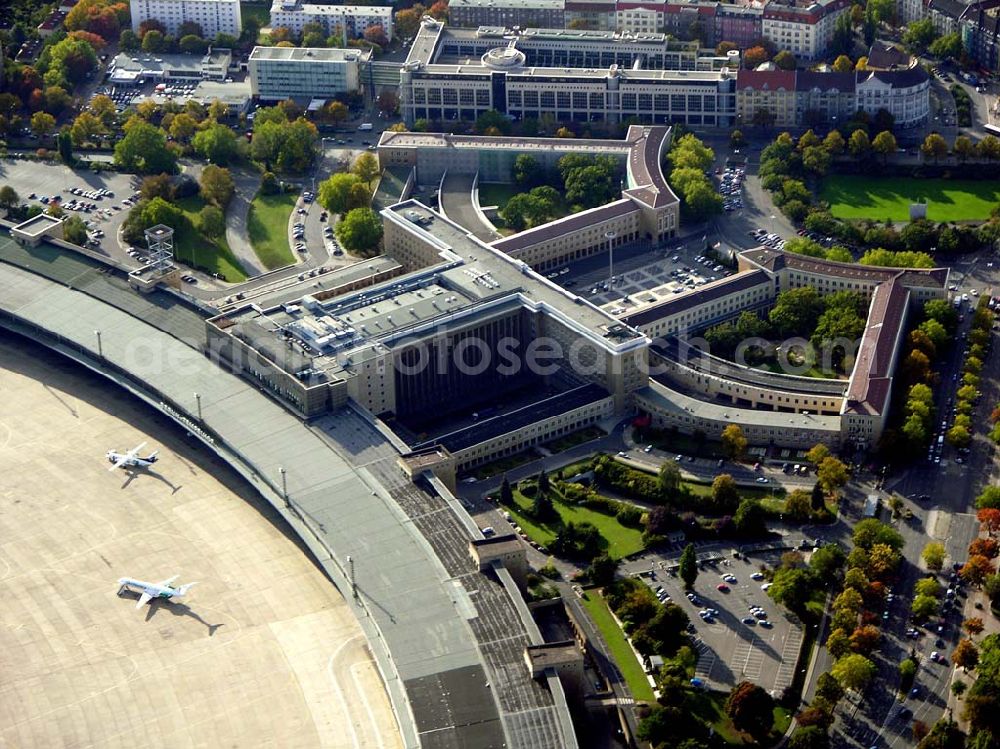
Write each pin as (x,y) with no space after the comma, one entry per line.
(144,149)
(949,45)
(974,626)
(669,477)
(366,167)
(854,672)
(492,118)
(785,60)
(217,185)
(919,35)
(809,737)
(834,143)
(157,186)
(791,588)
(75,231)
(216,143)
(976,570)
(826,562)
(865,639)
(795,311)
(751,518)
(153,41)
(927,586)
(734,442)
(192,45)
(736,139)
(211,222)
(859,145)
(924,607)
(816,159)
(964,148)
(528,172)
(798,505)
(360,231)
(987,547)
(751,709)
(990,519)
(85,128)
(832,474)
(934,146)
(725,495)
(506,493)
(336,111)
(755,56)
(965,655)
(42,123)
(335,192)
(602,570)
(843,36)
(9,197)
(933,556)
(688,567)
(387,102)
(843,64)
(884,145)
(65,143)
(870,531)
(71,60)
(376,35)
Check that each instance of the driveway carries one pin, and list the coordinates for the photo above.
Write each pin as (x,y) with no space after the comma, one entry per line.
(247,183)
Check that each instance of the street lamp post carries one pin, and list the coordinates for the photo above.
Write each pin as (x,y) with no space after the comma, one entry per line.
(197,397)
(610,236)
(284,485)
(100,348)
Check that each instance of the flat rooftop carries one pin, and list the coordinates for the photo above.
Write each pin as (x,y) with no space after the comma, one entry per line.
(673,401)
(488,272)
(37,224)
(310,54)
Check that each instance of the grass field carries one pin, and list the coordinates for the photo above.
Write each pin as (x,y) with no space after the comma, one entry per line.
(622,540)
(212,255)
(267,225)
(631,669)
(496,194)
(856,197)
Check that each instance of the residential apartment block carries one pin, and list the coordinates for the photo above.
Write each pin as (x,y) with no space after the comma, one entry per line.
(804,27)
(214,16)
(543,14)
(805,97)
(278,73)
(349,20)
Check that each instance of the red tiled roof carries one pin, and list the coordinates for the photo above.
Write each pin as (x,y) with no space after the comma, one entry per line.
(766,80)
(871,381)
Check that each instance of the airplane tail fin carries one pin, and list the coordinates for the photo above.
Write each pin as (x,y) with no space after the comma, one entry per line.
(182,590)
(152,456)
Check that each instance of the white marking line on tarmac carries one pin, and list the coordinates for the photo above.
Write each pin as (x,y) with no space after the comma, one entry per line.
(365,702)
(339,691)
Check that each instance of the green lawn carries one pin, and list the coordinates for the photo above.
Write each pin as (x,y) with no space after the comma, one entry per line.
(212,255)
(631,669)
(853,196)
(622,540)
(267,225)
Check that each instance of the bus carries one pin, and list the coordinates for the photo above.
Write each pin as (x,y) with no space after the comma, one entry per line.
(992,130)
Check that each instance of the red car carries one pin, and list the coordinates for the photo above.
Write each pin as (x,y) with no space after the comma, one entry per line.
(722,588)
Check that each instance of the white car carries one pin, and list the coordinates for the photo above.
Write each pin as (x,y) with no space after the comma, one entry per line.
(765,586)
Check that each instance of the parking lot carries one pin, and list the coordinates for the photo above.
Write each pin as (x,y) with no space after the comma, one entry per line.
(31,177)
(642,275)
(743,634)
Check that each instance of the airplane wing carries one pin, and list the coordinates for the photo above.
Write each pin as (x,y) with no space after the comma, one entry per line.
(144,598)
(135,450)
(119,462)
(168,580)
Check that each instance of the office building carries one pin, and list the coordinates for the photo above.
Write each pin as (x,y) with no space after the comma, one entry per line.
(213,16)
(349,21)
(304,73)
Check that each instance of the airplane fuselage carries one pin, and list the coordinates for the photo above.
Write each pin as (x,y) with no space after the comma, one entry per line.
(154,590)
